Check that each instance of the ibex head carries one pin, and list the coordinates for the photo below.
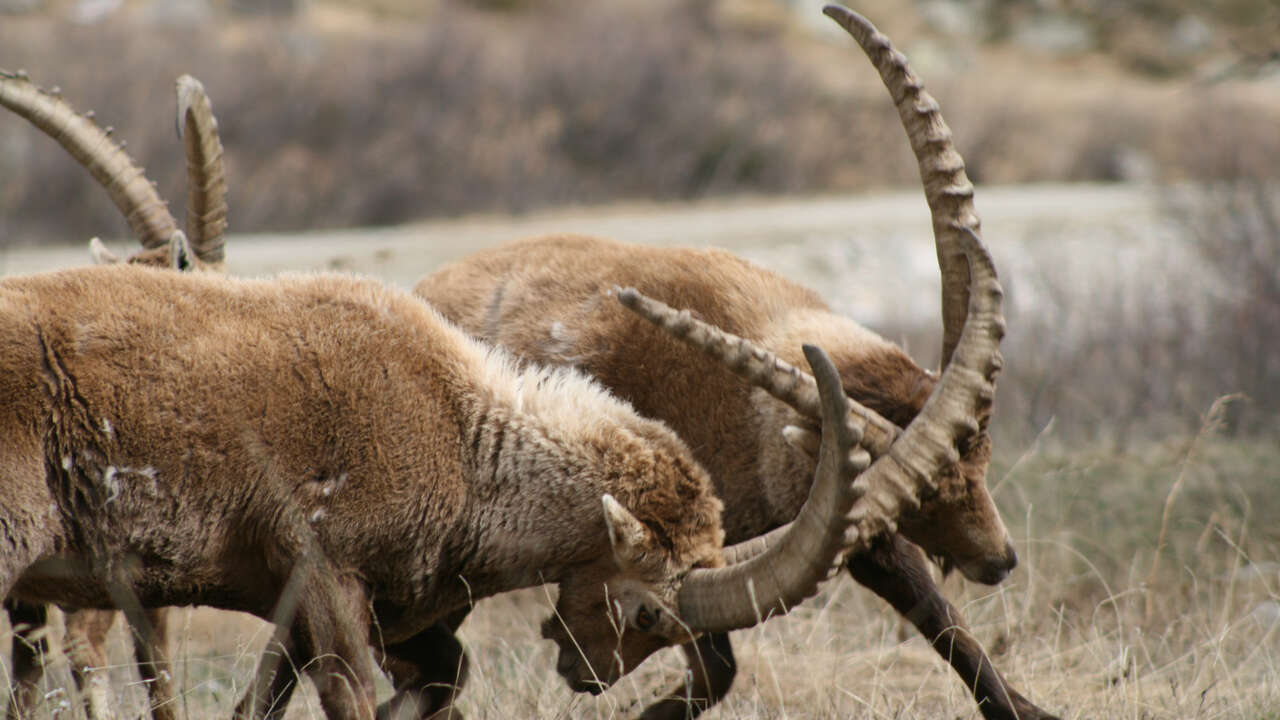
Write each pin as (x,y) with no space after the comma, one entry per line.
(663,585)
(957,522)
(176,255)
(618,611)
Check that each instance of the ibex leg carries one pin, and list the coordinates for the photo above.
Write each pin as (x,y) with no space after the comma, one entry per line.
(330,636)
(897,571)
(86,647)
(154,666)
(428,671)
(30,648)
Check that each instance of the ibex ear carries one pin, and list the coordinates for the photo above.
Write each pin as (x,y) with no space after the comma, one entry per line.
(628,536)
(179,251)
(100,254)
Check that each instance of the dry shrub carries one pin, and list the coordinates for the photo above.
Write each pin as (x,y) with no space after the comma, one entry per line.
(1236,231)
(1191,314)
(333,119)
(469,111)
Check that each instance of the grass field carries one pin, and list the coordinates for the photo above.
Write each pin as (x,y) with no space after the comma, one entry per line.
(1084,626)
(1089,626)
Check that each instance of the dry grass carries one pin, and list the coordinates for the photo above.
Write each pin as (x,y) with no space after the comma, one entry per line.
(1084,626)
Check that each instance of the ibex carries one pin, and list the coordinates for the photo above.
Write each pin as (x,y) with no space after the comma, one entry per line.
(543,299)
(190,438)
(163,245)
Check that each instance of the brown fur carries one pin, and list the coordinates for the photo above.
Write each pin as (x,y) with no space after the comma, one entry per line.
(328,423)
(547,300)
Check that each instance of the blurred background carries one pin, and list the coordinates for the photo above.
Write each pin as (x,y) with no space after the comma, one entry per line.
(360,113)
(1127,157)
(340,113)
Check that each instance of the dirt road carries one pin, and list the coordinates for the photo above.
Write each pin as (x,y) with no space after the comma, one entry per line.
(870,256)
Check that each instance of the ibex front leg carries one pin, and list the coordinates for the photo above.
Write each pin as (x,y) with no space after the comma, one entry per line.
(30,647)
(428,671)
(897,571)
(155,667)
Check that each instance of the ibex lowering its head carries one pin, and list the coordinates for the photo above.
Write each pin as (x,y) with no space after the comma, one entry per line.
(163,246)
(190,438)
(543,299)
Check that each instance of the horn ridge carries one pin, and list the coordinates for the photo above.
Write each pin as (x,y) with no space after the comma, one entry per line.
(135,196)
(759,366)
(947,188)
(206,219)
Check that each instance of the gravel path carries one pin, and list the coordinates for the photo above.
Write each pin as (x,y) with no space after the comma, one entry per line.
(870,256)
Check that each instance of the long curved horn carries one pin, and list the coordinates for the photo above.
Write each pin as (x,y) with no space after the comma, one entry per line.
(206,178)
(786,572)
(761,569)
(92,146)
(760,367)
(946,187)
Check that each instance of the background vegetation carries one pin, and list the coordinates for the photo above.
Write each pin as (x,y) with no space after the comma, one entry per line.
(374,113)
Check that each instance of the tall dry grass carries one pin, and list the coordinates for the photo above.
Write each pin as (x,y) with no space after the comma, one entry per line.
(1084,627)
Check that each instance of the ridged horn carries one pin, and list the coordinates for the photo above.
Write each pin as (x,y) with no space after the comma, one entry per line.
(946,187)
(963,394)
(788,570)
(904,472)
(759,366)
(206,178)
(92,147)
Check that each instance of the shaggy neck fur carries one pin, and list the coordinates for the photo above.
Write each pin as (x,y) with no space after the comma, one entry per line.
(547,444)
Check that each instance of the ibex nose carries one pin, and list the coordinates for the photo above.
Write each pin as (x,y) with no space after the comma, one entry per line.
(1011,556)
(996,570)
(993,569)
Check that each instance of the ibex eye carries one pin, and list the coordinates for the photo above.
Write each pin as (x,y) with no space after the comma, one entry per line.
(645,618)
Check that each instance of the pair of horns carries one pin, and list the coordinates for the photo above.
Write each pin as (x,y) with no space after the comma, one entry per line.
(771,573)
(774,572)
(130,190)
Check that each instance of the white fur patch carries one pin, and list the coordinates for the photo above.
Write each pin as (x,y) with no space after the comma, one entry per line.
(560,397)
(111,479)
(110,483)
